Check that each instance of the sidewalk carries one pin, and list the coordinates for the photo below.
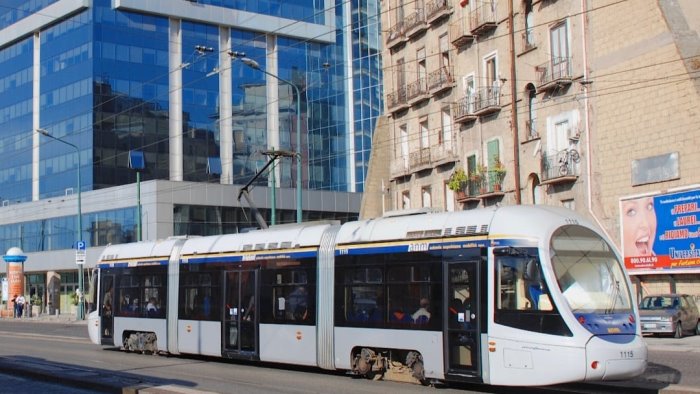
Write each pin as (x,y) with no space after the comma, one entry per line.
(66,318)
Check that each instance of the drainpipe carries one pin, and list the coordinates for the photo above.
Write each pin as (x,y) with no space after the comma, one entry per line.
(587,128)
(513,104)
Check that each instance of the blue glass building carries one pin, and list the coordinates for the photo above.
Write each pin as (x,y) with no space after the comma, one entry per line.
(110,77)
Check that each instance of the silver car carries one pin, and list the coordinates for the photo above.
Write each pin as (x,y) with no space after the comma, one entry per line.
(671,314)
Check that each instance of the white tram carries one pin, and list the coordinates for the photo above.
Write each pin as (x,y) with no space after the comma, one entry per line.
(516,295)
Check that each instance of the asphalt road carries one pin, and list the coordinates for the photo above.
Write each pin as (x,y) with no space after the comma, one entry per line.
(62,352)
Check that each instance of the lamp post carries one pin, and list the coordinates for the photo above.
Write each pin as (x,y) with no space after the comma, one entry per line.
(256,66)
(137,162)
(81,311)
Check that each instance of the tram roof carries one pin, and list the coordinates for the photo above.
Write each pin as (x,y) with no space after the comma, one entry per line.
(296,235)
(140,250)
(417,225)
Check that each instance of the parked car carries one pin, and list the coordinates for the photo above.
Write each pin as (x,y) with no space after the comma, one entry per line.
(671,314)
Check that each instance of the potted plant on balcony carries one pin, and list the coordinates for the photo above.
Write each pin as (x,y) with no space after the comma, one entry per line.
(477,178)
(457,182)
(499,173)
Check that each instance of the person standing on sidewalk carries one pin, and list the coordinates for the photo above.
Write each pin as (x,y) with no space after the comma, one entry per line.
(19,302)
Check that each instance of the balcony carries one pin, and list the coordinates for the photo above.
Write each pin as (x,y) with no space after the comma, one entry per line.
(396,35)
(440,80)
(396,101)
(483,18)
(560,167)
(490,186)
(415,23)
(444,153)
(417,91)
(460,33)
(436,10)
(528,39)
(554,74)
(463,110)
(420,160)
(399,167)
(487,100)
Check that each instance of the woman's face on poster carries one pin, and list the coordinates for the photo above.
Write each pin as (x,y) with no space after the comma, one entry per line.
(639,224)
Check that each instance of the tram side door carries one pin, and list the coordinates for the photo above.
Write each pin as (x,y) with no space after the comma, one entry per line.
(462,353)
(107,309)
(240,336)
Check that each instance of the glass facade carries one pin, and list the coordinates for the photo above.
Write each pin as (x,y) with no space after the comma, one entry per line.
(212,220)
(249,113)
(200,98)
(367,82)
(130,95)
(99,229)
(105,90)
(66,105)
(300,10)
(12,11)
(16,121)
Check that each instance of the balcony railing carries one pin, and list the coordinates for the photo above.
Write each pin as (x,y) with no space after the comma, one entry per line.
(420,159)
(399,167)
(463,110)
(417,91)
(415,23)
(489,186)
(445,152)
(487,100)
(425,158)
(460,33)
(396,35)
(436,10)
(554,73)
(440,79)
(528,40)
(483,18)
(396,101)
(560,167)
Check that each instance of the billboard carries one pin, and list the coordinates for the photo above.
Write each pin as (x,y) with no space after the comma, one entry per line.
(661,232)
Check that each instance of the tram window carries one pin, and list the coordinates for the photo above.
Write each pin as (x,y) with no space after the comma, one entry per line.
(139,291)
(409,296)
(199,296)
(522,297)
(288,296)
(520,285)
(364,304)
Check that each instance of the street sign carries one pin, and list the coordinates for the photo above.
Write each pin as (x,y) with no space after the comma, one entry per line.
(80,257)
(80,245)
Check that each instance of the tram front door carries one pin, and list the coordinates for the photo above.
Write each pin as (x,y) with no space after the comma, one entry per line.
(462,337)
(240,336)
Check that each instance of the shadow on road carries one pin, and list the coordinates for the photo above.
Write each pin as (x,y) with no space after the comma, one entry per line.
(84,377)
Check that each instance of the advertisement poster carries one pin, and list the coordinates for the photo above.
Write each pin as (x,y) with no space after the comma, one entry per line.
(661,232)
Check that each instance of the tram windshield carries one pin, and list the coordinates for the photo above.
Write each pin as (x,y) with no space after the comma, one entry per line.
(588,272)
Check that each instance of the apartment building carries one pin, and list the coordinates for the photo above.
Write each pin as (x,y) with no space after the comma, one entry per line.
(587,104)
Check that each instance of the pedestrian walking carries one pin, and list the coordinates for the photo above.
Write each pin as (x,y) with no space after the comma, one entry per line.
(19,303)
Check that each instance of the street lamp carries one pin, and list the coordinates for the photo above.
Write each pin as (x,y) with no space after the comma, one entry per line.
(81,306)
(256,66)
